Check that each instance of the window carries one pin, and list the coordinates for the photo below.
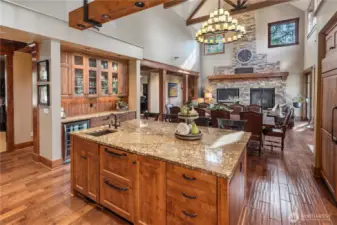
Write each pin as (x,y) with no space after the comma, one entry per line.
(283,33)
(311,18)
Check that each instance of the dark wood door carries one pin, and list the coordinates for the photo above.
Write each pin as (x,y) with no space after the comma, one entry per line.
(329,102)
(80,170)
(93,176)
(151,192)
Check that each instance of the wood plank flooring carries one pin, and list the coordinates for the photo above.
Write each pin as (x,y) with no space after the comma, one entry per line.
(279,184)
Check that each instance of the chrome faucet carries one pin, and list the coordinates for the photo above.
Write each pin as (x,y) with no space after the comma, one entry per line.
(116,123)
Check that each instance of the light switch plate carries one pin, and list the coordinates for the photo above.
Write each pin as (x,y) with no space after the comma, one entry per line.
(46,111)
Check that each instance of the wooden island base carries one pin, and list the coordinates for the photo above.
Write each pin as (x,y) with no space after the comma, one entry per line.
(147,191)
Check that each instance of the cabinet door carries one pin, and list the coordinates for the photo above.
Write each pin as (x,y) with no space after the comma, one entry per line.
(80,170)
(65,75)
(117,197)
(92,78)
(123,78)
(151,192)
(93,175)
(328,160)
(79,75)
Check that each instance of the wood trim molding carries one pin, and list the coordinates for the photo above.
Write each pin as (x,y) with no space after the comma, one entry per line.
(162,91)
(51,164)
(168,68)
(173,3)
(249,8)
(23,145)
(250,76)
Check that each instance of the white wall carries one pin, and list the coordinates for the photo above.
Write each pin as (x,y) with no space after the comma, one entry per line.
(50,119)
(161,32)
(22,90)
(154,92)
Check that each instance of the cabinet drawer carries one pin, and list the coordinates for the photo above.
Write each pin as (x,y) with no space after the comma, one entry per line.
(189,195)
(192,178)
(117,197)
(118,165)
(192,214)
(85,145)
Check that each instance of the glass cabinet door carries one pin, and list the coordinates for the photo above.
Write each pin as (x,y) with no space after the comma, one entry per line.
(78,86)
(114,83)
(104,83)
(92,82)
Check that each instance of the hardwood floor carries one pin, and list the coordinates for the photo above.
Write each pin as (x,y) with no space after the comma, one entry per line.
(278,184)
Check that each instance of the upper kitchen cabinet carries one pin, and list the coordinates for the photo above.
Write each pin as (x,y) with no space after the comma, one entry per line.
(90,76)
(66,78)
(123,80)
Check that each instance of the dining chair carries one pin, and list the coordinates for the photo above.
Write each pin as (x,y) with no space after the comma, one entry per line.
(200,111)
(278,131)
(237,108)
(174,110)
(168,107)
(254,108)
(215,114)
(154,116)
(172,118)
(231,124)
(202,121)
(254,125)
(203,105)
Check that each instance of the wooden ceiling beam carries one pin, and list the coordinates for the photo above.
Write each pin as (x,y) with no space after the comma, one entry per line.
(167,68)
(173,3)
(249,8)
(102,11)
(196,10)
(229,2)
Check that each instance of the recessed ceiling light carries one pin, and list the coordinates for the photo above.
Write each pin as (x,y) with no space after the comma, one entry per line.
(140,4)
(81,26)
(105,16)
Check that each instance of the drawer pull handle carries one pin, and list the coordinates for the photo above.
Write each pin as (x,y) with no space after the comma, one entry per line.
(192,215)
(83,157)
(188,178)
(115,187)
(187,196)
(332,47)
(114,153)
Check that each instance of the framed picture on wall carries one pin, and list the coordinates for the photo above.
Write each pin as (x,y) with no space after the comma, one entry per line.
(43,95)
(172,90)
(43,71)
(212,49)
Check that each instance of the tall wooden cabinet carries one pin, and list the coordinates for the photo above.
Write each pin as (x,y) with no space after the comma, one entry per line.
(328,44)
(92,76)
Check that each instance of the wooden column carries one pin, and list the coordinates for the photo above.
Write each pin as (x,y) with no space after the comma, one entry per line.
(10,102)
(196,83)
(149,92)
(162,91)
(318,113)
(185,88)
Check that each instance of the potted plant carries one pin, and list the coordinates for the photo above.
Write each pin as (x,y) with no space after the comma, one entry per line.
(297,101)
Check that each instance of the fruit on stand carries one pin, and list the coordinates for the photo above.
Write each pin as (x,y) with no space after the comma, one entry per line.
(195,129)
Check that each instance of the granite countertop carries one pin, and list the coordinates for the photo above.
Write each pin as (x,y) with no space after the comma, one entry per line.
(93,115)
(218,152)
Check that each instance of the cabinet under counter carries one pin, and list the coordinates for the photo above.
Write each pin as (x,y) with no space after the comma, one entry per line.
(149,177)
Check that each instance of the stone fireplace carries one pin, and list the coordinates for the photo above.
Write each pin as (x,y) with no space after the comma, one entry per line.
(265,97)
(227,95)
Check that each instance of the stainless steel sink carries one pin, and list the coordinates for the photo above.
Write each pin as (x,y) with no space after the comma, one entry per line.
(101,133)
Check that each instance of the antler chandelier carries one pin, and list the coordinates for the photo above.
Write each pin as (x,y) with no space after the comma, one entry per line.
(220,22)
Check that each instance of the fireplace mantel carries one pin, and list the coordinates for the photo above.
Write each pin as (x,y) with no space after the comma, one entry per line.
(249,76)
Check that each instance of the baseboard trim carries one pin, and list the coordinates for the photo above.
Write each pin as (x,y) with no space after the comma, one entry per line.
(316,172)
(24,145)
(47,162)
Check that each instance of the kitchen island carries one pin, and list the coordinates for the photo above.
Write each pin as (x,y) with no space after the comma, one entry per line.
(148,176)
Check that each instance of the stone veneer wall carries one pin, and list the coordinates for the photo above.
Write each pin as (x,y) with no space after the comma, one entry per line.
(245,86)
(259,62)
